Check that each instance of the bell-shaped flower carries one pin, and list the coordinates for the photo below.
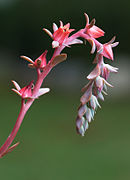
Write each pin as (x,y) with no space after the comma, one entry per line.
(89,115)
(81,125)
(92,30)
(107,48)
(87,94)
(82,110)
(101,83)
(94,102)
(40,62)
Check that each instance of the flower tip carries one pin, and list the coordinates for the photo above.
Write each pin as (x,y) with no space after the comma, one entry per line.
(55,28)
(16,85)
(27,59)
(92,23)
(114,44)
(87,18)
(61,23)
(17,92)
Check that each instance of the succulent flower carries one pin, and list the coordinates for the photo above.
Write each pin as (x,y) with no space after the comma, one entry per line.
(106,69)
(40,62)
(91,29)
(61,34)
(107,48)
(27,91)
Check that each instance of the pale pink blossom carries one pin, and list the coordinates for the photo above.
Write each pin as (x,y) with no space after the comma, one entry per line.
(107,48)
(106,69)
(91,29)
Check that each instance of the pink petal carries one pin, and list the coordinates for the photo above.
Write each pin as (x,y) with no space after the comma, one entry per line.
(55,28)
(93,45)
(111,68)
(81,111)
(99,83)
(95,32)
(94,73)
(107,51)
(75,41)
(87,95)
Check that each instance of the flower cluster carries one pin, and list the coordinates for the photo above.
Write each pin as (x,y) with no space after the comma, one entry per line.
(94,90)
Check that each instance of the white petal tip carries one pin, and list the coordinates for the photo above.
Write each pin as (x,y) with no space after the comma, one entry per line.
(16,85)
(55,28)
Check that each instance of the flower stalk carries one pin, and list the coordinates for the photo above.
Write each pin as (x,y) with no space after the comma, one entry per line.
(93,91)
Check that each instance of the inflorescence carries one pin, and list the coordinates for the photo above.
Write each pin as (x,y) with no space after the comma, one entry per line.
(92,92)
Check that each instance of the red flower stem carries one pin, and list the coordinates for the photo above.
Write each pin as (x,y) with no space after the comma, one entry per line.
(10,138)
(26,106)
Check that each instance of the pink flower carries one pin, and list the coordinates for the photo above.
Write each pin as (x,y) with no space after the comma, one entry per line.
(61,34)
(107,48)
(40,62)
(100,83)
(25,92)
(106,69)
(91,29)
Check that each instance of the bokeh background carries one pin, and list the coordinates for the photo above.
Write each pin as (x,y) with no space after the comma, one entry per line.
(49,146)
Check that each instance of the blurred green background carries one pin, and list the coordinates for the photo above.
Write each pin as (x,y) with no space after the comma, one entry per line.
(49,146)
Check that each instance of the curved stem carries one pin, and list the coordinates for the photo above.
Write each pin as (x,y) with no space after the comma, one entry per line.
(11,137)
(23,110)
